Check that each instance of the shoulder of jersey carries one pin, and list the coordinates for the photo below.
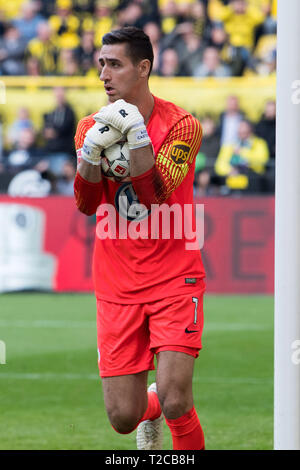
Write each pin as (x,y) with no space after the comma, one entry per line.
(171,110)
(87,121)
(83,126)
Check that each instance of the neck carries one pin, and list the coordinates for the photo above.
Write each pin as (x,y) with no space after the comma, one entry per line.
(146,107)
(145,102)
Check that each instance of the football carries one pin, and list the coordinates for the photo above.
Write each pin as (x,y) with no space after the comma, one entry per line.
(115,161)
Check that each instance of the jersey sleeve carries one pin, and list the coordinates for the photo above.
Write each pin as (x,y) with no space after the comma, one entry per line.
(177,154)
(173,162)
(83,126)
(87,195)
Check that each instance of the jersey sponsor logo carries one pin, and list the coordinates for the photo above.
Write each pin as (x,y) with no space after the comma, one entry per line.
(180,152)
(128,205)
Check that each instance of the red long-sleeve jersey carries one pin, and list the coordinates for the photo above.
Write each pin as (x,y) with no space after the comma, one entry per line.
(142,253)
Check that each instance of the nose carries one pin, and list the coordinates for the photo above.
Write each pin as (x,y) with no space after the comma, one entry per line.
(104,74)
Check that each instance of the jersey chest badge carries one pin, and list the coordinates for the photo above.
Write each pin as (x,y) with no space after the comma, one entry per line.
(128,205)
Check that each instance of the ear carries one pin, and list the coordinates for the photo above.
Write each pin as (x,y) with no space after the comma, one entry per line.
(144,68)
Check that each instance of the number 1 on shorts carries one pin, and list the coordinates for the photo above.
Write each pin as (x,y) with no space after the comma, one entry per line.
(195,301)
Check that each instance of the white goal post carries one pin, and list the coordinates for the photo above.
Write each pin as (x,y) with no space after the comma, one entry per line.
(287,230)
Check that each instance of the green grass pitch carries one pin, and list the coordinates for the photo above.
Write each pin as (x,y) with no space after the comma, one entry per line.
(50,392)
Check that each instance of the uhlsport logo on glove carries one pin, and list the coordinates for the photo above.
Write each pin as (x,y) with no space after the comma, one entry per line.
(103,129)
(123,113)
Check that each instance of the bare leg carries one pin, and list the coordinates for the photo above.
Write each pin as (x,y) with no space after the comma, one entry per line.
(125,399)
(174,382)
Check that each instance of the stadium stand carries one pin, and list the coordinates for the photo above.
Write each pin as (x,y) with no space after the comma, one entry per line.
(55,43)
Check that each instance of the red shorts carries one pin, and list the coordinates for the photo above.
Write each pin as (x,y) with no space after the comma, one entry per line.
(130,335)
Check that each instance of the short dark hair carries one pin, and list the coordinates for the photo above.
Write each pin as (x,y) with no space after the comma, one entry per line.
(138,43)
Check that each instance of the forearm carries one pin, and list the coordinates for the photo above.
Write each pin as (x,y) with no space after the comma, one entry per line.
(88,187)
(141,160)
(90,141)
(146,178)
(91,173)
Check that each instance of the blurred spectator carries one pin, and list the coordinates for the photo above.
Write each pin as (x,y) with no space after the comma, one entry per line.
(65,181)
(269,25)
(178,11)
(240,21)
(46,8)
(266,127)
(188,45)
(94,71)
(243,164)
(202,182)
(65,25)
(2,22)
(70,68)
(230,120)
(43,168)
(33,67)
(83,7)
(211,65)
(43,48)
(85,52)
(12,51)
(130,14)
(25,152)
(217,36)
(102,20)
(28,22)
(151,12)
(22,121)
(199,17)
(168,11)
(67,63)
(267,65)
(153,31)
(58,131)
(29,183)
(192,48)
(211,140)
(263,60)
(1,147)
(10,10)
(169,64)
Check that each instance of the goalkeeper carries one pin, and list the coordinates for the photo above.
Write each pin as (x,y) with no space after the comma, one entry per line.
(149,291)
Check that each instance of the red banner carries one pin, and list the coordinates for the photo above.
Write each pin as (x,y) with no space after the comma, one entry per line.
(238,251)
(47,243)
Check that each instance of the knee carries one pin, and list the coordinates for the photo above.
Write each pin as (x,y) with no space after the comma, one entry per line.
(175,402)
(123,420)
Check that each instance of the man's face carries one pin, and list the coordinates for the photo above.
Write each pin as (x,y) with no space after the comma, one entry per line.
(244,131)
(239,7)
(120,76)
(232,104)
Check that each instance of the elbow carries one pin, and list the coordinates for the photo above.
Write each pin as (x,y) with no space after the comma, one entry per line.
(84,208)
(87,195)
(150,188)
(86,211)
